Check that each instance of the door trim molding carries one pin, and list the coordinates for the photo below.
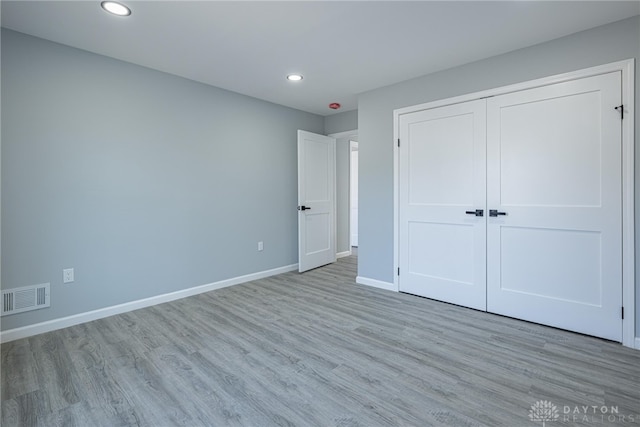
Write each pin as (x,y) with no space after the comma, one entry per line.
(353,146)
(627,68)
(350,134)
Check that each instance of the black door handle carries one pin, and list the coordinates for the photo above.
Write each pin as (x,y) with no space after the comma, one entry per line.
(477,212)
(304,208)
(494,212)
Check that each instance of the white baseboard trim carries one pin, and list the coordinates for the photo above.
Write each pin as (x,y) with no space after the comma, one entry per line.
(76,319)
(638,343)
(376,283)
(343,254)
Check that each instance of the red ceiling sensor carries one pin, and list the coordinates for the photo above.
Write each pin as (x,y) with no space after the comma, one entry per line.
(334,105)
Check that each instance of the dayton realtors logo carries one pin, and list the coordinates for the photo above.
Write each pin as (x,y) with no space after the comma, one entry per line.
(543,411)
(596,414)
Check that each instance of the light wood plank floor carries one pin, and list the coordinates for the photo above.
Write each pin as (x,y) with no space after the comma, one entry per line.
(312,350)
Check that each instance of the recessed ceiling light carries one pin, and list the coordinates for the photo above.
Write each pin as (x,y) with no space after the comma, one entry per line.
(294,77)
(116,8)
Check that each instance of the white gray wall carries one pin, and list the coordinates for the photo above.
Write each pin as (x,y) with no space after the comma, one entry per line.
(609,43)
(341,122)
(144,182)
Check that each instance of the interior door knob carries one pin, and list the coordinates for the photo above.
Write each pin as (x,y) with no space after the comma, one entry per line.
(494,212)
(304,208)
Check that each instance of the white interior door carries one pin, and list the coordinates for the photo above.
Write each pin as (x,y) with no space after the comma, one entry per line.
(353,194)
(554,170)
(442,242)
(316,200)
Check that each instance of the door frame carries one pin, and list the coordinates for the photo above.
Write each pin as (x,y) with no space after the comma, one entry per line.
(352,136)
(353,146)
(626,67)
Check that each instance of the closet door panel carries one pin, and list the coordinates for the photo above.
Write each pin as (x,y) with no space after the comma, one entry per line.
(442,248)
(554,171)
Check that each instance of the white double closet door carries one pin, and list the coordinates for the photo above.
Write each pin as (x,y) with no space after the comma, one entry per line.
(513,205)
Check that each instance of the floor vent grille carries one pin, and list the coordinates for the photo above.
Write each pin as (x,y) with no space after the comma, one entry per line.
(27,298)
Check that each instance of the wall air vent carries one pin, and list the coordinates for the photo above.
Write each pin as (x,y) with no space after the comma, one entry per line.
(27,298)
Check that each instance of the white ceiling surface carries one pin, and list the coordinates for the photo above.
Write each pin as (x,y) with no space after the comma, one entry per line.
(342,48)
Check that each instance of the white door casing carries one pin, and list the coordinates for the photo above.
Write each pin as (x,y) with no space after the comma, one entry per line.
(353,193)
(554,169)
(442,179)
(316,200)
(542,239)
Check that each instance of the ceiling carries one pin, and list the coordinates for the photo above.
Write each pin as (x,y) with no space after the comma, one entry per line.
(342,48)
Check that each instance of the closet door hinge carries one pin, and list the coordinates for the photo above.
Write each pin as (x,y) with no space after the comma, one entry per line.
(398,271)
(398,142)
(622,312)
(621,108)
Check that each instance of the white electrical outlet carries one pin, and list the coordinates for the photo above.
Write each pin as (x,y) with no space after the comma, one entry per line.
(67,275)
(260,246)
